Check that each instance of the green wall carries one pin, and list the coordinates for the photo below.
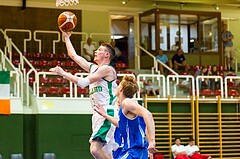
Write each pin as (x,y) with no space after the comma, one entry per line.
(66,135)
(11,135)
(32,135)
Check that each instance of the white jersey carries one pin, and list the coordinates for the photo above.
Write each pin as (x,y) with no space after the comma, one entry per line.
(177,148)
(191,149)
(103,91)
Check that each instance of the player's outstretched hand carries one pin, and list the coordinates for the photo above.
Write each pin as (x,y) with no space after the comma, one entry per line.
(57,70)
(151,147)
(65,34)
(99,109)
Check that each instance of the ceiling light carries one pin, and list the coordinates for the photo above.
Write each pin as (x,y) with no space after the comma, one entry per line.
(216,7)
(124,2)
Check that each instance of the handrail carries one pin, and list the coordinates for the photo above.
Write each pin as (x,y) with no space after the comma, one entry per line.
(166,66)
(156,76)
(153,57)
(25,40)
(226,84)
(187,77)
(201,78)
(40,41)
(19,76)
(48,73)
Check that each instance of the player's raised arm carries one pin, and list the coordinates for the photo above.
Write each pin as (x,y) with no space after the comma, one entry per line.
(72,53)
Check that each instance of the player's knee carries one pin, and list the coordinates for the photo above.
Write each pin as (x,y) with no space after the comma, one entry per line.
(94,150)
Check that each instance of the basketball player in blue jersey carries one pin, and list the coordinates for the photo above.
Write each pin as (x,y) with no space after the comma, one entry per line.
(102,86)
(135,123)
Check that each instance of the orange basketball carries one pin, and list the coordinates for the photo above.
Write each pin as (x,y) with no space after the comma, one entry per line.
(67,21)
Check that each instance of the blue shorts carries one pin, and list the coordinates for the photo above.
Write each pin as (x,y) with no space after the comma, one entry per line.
(134,153)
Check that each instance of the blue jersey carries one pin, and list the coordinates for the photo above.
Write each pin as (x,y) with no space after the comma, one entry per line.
(132,134)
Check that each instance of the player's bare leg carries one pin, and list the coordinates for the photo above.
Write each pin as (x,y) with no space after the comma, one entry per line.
(96,150)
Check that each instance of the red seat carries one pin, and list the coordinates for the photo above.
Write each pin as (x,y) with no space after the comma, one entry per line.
(76,71)
(39,69)
(53,90)
(183,73)
(31,80)
(45,80)
(158,156)
(70,64)
(58,80)
(233,92)
(58,63)
(50,56)
(37,55)
(231,74)
(62,56)
(128,72)
(33,62)
(218,92)
(44,63)
(15,55)
(222,75)
(207,92)
(65,90)
(191,93)
(42,90)
(27,55)
(82,90)
(231,84)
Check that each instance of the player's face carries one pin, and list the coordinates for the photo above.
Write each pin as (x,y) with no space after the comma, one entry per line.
(178,142)
(191,143)
(99,54)
(119,88)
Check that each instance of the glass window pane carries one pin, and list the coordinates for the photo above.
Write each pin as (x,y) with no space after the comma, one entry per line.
(209,32)
(146,36)
(188,32)
(168,31)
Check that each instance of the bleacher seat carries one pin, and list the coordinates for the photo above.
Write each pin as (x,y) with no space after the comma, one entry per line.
(50,56)
(233,92)
(42,90)
(53,90)
(44,63)
(31,80)
(16,156)
(207,92)
(217,92)
(58,80)
(231,74)
(70,64)
(76,71)
(62,56)
(49,156)
(37,55)
(83,91)
(128,72)
(65,90)
(45,80)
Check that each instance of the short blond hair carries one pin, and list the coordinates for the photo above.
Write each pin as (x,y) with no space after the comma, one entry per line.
(130,86)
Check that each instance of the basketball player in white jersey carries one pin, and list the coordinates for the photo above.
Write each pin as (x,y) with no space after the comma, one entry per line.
(102,85)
